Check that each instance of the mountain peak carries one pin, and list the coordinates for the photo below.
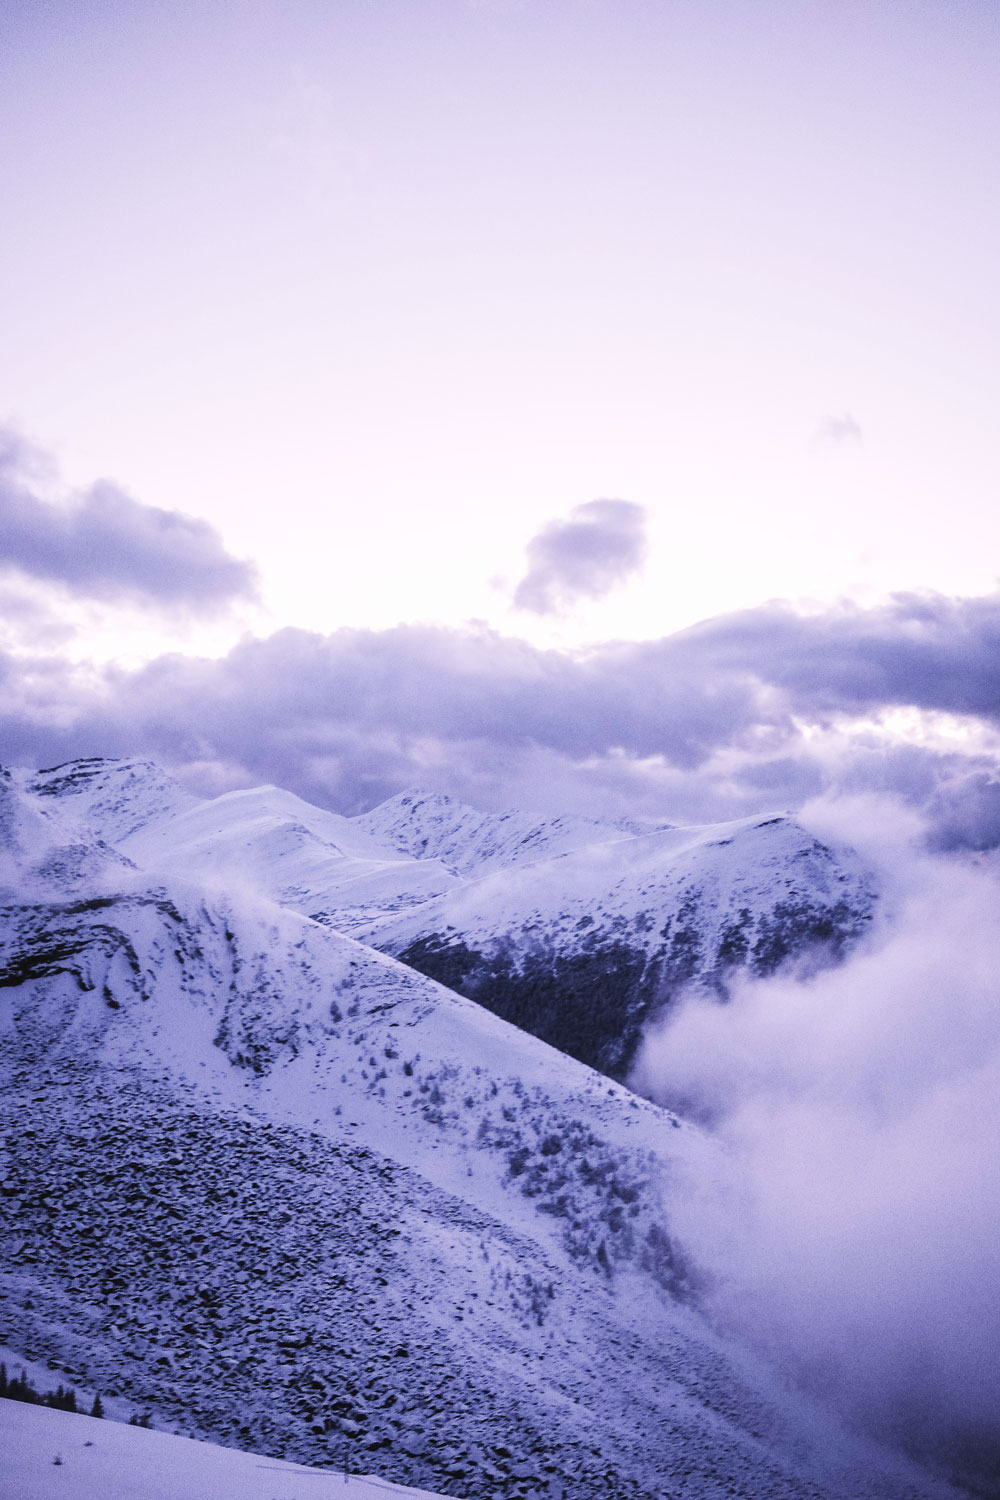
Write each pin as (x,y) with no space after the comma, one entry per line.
(112,797)
(433,825)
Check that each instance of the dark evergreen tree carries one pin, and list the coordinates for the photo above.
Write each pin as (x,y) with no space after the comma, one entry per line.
(21,1389)
(61,1400)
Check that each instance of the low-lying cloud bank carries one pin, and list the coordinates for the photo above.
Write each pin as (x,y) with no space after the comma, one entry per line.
(850,1230)
(103,545)
(750,712)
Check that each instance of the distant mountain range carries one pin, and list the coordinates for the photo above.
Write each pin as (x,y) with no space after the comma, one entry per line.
(578,931)
(291,1194)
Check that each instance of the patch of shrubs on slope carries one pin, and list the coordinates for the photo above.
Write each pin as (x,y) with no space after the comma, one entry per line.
(601,1195)
(794,928)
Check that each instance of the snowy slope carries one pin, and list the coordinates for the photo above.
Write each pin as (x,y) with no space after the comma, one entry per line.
(271,842)
(263,840)
(110,799)
(428,825)
(43,853)
(52,1454)
(286,1193)
(583,949)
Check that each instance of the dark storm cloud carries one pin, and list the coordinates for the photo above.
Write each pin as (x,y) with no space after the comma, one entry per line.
(584,557)
(964,812)
(104,545)
(418,694)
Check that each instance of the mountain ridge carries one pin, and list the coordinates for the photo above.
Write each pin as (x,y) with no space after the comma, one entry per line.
(284,1191)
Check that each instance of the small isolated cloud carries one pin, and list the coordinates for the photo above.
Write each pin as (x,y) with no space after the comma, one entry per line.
(101,544)
(842,429)
(584,557)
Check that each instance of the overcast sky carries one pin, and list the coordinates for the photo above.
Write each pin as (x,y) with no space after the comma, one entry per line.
(579,320)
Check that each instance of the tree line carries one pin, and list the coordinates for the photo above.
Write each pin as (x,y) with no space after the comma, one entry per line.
(19,1388)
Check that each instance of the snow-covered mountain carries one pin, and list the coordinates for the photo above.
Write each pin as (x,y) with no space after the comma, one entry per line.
(428,825)
(110,798)
(584,948)
(289,1194)
(271,842)
(264,841)
(577,931)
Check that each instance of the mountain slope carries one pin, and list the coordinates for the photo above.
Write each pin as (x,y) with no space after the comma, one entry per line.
(584,949)
(271,842)
(284,1192)
(50,1453)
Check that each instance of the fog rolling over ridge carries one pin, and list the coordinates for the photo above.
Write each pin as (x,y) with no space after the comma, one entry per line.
(851,1230)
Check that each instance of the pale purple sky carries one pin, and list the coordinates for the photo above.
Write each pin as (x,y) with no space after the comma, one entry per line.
(380,288)
(357,310)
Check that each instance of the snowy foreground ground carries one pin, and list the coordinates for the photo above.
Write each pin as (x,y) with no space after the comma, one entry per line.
(104,1460)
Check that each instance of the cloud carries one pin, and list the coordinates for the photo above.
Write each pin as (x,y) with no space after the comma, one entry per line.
(964,813)
(103,545)
(28,619)
(751,712)
(842,429)
(601,544)
(849,1228)
(924,651)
